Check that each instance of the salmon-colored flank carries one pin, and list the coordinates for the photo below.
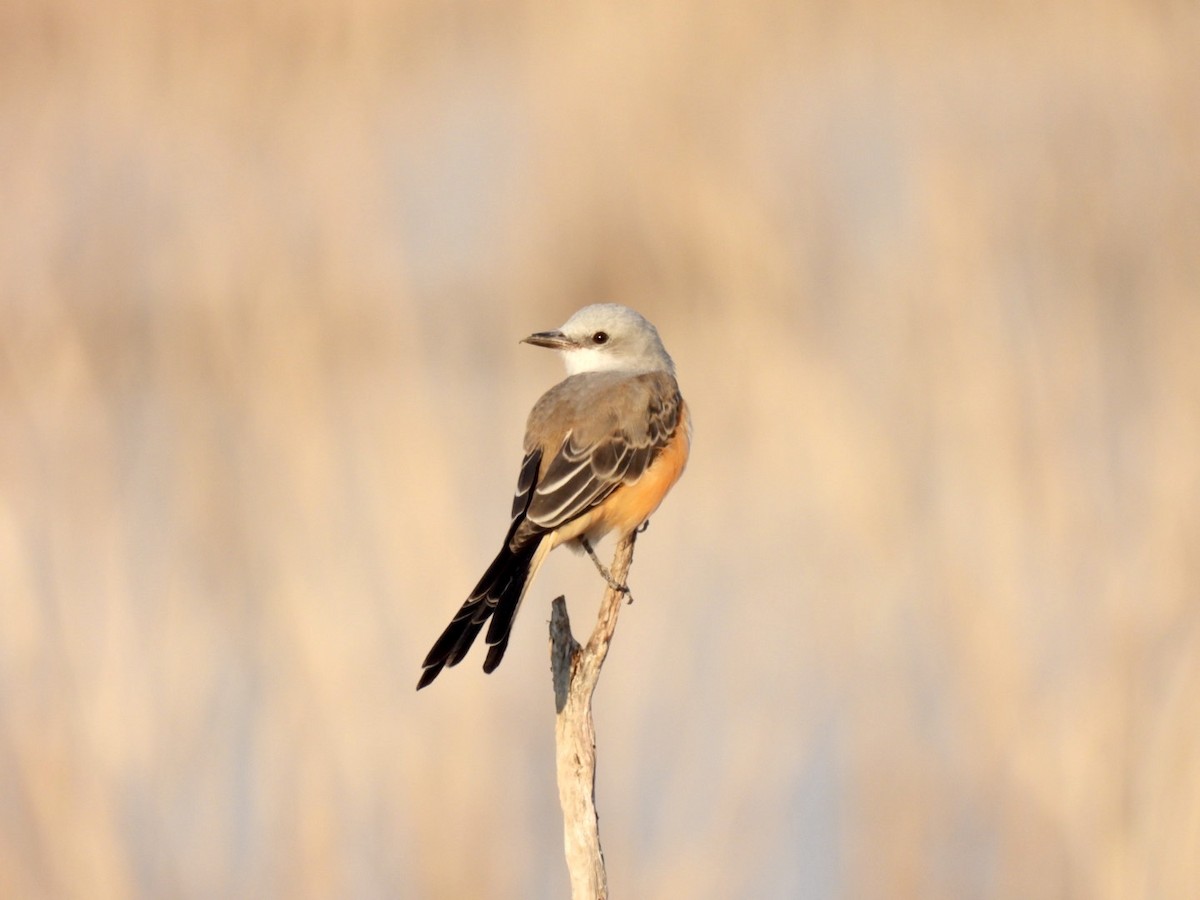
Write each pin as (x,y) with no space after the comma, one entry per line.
(630,505)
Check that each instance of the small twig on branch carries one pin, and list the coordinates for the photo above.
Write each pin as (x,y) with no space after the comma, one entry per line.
(576,670)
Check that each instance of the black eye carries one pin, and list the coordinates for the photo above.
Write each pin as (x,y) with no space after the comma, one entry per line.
(600,337)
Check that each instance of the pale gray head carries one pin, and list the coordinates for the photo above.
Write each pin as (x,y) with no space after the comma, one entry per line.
(607,337)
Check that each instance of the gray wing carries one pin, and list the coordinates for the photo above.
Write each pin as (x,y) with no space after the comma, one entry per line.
(636,417)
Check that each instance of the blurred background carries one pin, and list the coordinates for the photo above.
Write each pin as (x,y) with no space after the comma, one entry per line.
(920,620)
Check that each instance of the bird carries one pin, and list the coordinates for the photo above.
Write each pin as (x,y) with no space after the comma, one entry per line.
(602,449)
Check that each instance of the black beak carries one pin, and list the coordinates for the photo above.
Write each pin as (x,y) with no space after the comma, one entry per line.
(555,340)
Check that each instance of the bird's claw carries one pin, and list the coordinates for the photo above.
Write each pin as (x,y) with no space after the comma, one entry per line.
(604,573)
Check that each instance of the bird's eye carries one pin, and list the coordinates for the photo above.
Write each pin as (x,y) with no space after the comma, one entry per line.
(600,337)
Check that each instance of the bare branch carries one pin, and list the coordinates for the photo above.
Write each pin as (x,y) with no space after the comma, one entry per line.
(576,670)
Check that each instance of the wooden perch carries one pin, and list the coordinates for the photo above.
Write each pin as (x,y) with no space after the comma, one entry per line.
(576,670)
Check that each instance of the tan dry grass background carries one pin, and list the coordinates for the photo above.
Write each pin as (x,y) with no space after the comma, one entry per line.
(920,621)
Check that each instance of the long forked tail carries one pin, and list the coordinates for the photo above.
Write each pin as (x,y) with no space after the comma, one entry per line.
(496,597)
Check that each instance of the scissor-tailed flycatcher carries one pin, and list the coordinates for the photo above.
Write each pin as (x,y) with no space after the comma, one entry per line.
(602,448)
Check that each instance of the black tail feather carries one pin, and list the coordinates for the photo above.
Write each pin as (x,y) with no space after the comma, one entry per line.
(496,652)
(496,597)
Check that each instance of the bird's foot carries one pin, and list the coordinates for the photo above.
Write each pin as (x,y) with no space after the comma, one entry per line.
(604,573)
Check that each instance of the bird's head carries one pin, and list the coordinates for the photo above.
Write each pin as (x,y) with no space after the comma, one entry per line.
(606,337)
